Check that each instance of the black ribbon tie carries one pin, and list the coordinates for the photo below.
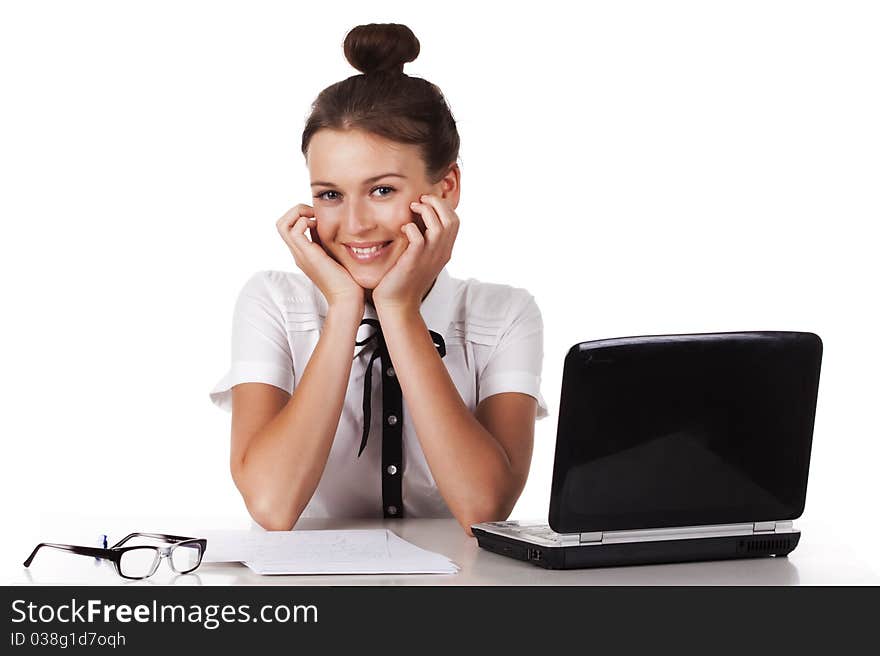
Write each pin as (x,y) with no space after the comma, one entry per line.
(381,352)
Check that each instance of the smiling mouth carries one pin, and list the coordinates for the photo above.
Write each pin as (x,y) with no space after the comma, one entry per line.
(367,254)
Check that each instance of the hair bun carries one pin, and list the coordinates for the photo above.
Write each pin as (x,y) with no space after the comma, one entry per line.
(380,47)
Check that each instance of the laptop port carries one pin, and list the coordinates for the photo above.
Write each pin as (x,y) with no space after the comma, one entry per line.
(534,554)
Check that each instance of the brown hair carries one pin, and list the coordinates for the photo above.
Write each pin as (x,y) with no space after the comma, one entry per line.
(384,101)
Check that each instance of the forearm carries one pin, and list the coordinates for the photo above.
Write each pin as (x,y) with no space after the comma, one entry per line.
(281,468)
(471,469)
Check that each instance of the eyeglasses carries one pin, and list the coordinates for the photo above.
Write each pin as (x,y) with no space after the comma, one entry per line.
(141,561)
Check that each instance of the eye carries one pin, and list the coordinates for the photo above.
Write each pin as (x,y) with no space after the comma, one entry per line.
(390,189)
(323,195)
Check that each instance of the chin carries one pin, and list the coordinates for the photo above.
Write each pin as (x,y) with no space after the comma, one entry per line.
(367,281)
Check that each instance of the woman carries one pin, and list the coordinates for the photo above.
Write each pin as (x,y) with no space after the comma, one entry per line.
(459,360)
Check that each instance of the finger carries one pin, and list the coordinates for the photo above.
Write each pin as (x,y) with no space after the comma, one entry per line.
(417,240)
(415,246)
(291,215)
(305,232)
(313,231)
(283,224)
(304,249)
(288,233)
(416,218)
(409,257)
(433,227)
(297,232)
(303,210)
(445,214)
(296,211)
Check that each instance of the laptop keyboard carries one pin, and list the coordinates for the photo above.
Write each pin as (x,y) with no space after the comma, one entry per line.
(540,531)
(543,532)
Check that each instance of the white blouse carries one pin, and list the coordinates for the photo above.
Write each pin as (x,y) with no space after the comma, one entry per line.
(494,343)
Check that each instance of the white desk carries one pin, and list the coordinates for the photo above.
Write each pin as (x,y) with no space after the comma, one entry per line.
(820,559)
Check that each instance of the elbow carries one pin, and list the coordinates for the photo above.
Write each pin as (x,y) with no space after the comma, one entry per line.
(265,510)
(493,504)
(469,520)
(266,513)
(478,515)
(274,524)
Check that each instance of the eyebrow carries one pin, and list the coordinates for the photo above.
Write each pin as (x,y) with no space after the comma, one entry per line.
(366,182)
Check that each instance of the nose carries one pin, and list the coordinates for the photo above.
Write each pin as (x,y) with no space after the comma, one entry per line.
(357,219)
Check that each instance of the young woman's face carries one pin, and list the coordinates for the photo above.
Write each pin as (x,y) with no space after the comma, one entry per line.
(362,186)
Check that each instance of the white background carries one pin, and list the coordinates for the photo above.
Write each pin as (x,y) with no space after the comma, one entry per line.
(640,167)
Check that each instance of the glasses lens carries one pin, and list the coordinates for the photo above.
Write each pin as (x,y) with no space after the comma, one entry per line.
(139,562)
(186,556)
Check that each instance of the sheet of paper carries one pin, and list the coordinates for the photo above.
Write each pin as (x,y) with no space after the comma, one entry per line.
(229,546)
(373,551)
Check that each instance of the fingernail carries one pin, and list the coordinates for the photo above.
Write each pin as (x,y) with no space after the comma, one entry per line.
(413,204)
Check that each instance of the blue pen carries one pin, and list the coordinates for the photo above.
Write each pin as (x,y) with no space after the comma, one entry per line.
(103,545)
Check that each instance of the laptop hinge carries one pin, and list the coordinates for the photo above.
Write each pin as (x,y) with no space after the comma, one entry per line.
(771,527)
(606,537)
(587,538)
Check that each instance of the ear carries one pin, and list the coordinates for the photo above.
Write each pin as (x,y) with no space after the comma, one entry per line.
(449,187)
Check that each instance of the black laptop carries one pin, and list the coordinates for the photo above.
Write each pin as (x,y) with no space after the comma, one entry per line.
(675,448)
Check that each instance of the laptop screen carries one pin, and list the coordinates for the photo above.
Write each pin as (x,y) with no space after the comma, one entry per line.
(684,430)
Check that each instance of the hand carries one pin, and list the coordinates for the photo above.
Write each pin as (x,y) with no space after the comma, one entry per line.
(406,283)
(332,279)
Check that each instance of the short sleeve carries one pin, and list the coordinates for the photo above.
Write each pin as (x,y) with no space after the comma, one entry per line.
(260,351)
(515,363)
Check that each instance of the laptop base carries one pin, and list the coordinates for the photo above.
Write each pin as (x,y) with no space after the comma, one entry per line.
(639,553)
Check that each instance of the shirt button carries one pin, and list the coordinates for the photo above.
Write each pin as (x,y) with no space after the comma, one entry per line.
(390,372)
(392,419)
(392,510)
(391,470)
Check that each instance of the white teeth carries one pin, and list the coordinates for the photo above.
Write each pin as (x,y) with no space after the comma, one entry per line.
(366,251)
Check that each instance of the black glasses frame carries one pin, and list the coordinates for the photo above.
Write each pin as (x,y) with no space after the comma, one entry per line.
(114,554)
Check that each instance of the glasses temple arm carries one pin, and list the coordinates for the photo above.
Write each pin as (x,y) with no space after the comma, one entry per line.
(158,536)
(95,552)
